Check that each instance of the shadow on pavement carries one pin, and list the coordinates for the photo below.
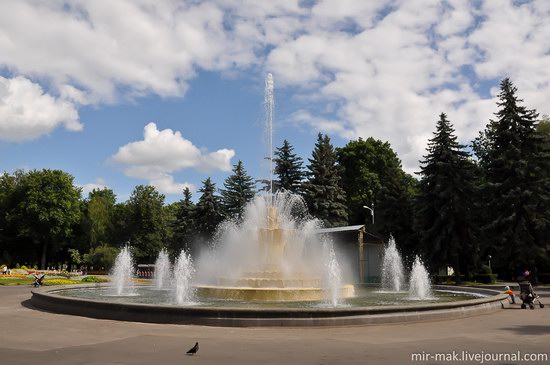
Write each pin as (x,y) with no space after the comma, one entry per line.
(529,330)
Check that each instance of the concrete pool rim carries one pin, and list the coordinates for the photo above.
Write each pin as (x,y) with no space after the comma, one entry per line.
(45,298)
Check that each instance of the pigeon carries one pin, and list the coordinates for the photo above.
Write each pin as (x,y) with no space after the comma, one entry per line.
(194,349)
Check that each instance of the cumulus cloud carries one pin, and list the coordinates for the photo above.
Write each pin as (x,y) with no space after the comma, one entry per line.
(162,152)
(27,112)
(383,68)
(89,187)
(390,70)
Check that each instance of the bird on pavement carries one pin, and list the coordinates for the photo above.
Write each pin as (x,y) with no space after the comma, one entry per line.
(194,349)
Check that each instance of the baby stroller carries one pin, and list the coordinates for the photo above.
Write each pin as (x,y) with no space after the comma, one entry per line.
(38,280)
(528,295)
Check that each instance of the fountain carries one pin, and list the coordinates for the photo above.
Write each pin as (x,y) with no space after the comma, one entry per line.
(271,269)
(271,256)
(162,271)
(420,287)
(392,268)
(123,273)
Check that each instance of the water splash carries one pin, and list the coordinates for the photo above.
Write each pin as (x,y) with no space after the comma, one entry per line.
(419,283)
(162,271)
(393,277)
(183,272)
(269,105)
(334,274)
(123,273)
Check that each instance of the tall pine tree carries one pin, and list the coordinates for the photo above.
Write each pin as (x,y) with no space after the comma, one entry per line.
(323,194)
(447,190)
(517,190)
(184,224)
(208,211)
(239,190)
(289,169)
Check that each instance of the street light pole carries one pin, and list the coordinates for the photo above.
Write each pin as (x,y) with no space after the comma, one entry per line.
(371,208)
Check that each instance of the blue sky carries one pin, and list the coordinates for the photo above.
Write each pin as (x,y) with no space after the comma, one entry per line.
(82,82)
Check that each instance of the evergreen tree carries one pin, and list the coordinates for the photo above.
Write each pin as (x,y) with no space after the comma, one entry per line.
(184,224)
(447,190)
(322,191)
(208,212)
(239,190)
(288,168)
(395,211)
(516,164)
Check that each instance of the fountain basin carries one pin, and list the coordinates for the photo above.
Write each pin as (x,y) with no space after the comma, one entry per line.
(48,298)
(270,293)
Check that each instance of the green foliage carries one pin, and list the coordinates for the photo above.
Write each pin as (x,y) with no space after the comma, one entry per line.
(101,257)
(99,214)
(485,278)
(288,169)
(239,190)
(447,192)
(147,224)
(183,227)
(47,210)
(323,194)
(75,256)
(372,174)
(94,279)
(208,211)
(366,164)
(516,166)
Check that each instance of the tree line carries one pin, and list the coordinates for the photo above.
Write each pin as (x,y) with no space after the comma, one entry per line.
(469,202)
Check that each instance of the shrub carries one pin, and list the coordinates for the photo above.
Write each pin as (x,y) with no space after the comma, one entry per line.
(485,278)
(485,269)
(94,279)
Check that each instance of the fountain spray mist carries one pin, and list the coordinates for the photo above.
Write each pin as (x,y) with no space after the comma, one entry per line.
(392,268)
(162,270)
(123,272)
(183,272)
(419,283)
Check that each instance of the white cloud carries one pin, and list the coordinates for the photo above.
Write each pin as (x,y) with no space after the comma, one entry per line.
(26,111)
(384,68)
(162,152)
(89,187)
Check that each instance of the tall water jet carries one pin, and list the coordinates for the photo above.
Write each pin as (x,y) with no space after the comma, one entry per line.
(392,268)
(269,105)
(123,273)
(334,274)
(183,272)
(162,271)
(263,258)
(419,284)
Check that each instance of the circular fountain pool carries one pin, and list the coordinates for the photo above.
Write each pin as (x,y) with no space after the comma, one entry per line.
(369,306)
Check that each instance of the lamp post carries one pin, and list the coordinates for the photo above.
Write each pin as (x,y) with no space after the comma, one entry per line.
(489,257)
(371,208)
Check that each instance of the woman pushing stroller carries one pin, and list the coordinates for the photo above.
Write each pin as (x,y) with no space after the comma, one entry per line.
(527,294)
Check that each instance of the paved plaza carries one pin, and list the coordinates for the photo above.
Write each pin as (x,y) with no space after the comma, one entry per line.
(30,336)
